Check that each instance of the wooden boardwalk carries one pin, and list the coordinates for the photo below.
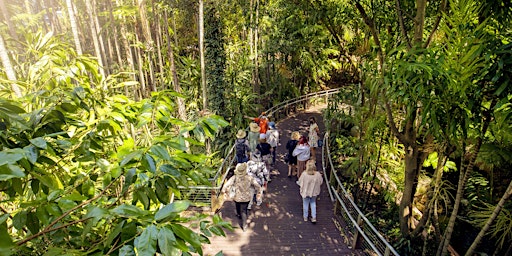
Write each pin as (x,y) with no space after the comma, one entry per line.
(277,227)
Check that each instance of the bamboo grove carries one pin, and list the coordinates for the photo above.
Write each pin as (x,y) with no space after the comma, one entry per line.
(107,107)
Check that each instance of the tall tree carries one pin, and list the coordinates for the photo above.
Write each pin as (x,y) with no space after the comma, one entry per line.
(9,70)
(201,54)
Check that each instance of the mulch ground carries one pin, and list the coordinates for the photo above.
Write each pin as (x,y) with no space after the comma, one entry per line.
(277,227)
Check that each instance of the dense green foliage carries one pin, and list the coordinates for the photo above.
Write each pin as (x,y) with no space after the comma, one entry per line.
(97,138)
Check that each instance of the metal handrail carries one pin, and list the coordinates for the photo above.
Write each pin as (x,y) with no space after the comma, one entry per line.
(345,196)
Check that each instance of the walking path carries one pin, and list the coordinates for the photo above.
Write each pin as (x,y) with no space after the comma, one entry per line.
(277,227)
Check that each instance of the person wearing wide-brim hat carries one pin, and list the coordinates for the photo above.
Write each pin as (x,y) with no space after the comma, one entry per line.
(242,148)
(242,184)
(253,135)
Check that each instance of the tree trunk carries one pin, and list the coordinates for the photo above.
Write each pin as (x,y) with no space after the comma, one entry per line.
(7,19)
(101,43)
(94,34)
(411,178)
(74,27)
(201,54)
(256,75)
(140,65)
(421,6)
(181,104)
(493,216)
(116,36)
(463,177)
(6,62)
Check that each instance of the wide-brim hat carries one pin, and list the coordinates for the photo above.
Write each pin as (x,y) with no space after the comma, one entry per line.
(241,169)
(241,134)
(253,127)
(295,135)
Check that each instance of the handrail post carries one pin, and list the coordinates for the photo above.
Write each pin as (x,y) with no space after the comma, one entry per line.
(356,240)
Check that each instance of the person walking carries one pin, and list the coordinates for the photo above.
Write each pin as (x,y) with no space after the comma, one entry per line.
(265,150)
(310,183)
(291,159)
(313,136)
(262,122)
(242,148)
(241,184)
(273,140)
(256,168)
(253,136)
(303,154)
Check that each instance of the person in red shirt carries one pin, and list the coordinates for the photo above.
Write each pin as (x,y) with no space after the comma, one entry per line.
(262,122)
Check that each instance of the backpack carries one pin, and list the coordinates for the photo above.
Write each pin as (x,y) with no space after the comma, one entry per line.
(291,145)
(241,148)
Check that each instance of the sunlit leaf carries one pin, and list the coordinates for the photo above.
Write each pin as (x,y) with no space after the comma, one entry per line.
(170,209)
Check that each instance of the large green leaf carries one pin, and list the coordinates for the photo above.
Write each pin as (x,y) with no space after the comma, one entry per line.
(171,209)
(149,163)
(187,235)
(10,171)
(39,142)
(145,244)
(166,241)
(161,152)
(127,210)
(135,155)
(10,157)
(5,239)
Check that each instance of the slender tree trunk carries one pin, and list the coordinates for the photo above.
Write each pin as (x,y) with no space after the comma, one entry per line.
(256,75)
(146,31)
(463,177)
(7,19)
(181,104)
(95,39)
(158,37)
(421,6)
(113,27)
(129,56)
(491,219)
(201,54)
(74,27)
(105,60)
(6,62)
(140,65)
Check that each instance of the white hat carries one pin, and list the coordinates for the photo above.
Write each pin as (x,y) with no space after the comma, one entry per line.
(263,136)
(241,134)
(241,169)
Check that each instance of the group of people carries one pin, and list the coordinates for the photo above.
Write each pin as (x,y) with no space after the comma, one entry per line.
(256,155)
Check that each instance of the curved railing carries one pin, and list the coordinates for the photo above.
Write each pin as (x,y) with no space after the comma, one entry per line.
(362,233)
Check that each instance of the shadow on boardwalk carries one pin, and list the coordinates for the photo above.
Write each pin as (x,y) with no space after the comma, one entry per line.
(277,227)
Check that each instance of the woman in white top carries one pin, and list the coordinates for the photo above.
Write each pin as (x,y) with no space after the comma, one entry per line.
(303,153)
(310,183)
(313,136)
(273,139)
